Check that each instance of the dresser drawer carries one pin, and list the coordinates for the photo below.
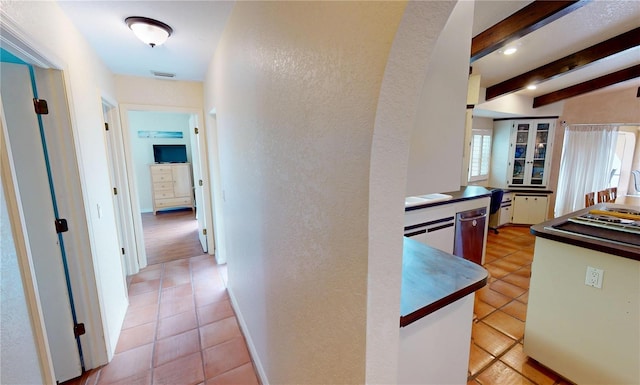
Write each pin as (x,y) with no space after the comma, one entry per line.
(163,186)
(170,202)
(160,169)
(163,194)
(161,177)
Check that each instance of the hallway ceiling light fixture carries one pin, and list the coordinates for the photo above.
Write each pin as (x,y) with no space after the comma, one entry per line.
(150,31)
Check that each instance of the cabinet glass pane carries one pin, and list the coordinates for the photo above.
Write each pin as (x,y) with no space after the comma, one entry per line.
(537,172)
(540,152)
(518,172)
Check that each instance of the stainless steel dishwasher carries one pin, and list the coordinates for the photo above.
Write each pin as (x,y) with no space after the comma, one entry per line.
(469,239)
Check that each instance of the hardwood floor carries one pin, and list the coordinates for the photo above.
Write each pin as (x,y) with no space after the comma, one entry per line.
(170,235)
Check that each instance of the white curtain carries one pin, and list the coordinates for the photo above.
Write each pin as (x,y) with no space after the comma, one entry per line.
(587,161)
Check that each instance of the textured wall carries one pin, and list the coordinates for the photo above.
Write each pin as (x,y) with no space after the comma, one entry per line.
(616,105)
(296,91)
(435,156)
(158,92)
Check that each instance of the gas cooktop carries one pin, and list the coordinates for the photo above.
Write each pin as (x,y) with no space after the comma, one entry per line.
(618,219)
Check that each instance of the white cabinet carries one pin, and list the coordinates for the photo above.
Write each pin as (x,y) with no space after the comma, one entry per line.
(171,186)
(521,153)
(432,226)
(505,209)
(529,209)
(436,226)
(435,349)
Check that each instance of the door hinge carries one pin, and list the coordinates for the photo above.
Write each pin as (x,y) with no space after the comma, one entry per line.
(122,250)
(195,129)
(106,126)
(78,330)
(200,183)
(115,191)
(40,106)
(61,225)
(204,231)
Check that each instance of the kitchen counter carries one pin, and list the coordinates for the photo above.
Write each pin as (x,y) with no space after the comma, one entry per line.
(582,313)
(546,230)
(464,194)
(433,279)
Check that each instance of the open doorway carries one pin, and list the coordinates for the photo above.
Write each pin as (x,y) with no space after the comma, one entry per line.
(167,162)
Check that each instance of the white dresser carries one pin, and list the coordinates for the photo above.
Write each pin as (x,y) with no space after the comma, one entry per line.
(172,186)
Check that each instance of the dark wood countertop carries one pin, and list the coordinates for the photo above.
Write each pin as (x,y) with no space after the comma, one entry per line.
(546,230)
(433,279)
(464,194)
(523,190)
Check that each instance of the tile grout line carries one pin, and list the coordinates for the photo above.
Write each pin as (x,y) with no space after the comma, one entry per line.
(155,332)
(517,341)
(195,308)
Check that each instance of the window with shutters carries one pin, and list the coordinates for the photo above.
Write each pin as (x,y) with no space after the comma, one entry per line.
(480,154)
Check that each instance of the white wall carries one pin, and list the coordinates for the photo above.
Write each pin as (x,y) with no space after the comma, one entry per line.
(44,27)
(142,148)
(296,88)
(158,92)
(514,105)
(436,152)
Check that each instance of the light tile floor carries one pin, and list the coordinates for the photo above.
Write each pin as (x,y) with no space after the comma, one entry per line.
(180,328)
(496,355)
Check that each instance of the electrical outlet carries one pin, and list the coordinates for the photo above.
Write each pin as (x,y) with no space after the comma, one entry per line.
(594,277)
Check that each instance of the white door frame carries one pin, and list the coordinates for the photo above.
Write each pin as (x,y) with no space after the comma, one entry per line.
(115,151)
(135,206)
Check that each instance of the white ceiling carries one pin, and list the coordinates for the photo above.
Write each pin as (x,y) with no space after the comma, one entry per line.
(198,25)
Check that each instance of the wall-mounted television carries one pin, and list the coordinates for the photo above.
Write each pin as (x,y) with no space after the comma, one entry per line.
(170,153)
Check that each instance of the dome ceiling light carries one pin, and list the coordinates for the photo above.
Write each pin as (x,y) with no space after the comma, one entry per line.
(150,31)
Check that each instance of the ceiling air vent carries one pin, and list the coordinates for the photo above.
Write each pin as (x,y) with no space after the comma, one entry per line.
(163,74)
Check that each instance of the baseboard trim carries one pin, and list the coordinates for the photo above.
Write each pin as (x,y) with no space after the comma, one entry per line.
(247,336)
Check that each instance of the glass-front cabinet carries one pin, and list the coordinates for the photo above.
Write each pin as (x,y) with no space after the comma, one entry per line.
(529,150)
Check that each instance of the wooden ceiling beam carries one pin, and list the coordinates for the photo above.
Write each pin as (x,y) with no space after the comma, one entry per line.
(567,64)
(526,20)
(588,86)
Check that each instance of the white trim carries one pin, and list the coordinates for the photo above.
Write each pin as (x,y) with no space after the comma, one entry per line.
(255,357)
(482,132)
(126,210)
(23,253)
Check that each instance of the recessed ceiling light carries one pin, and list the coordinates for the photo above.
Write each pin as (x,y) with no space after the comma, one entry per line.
(510,51)
(532,87)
